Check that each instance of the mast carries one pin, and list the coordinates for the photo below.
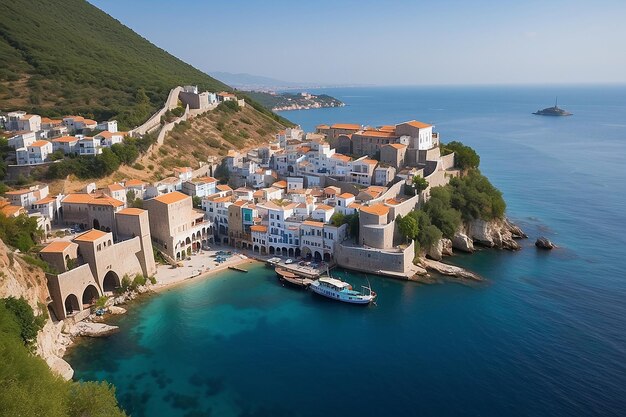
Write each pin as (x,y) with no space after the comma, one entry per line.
(556,102)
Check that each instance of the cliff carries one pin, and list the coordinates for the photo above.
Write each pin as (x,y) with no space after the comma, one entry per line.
(497,234)
(20,279)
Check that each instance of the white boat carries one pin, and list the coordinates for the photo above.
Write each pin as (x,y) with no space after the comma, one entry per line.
(339,290)
(272,262)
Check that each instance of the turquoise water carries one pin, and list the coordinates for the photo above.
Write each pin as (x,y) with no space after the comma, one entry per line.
(544,336)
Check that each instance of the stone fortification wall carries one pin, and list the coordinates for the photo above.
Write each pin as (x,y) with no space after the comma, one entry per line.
(155,120)
(405,207)
(393,191)
(447,161)
(377,236)
(70,283)
(396,263)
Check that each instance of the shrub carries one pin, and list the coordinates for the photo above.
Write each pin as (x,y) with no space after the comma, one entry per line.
(23,314)
(464,156)
(138,166)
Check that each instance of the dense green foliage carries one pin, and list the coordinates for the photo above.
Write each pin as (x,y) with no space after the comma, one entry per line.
(276,100)
(96,65)
(352,220)
(464,156)
(29,389)
(106,163)
(28,323)
(419,184)
(466,198)
(21,232)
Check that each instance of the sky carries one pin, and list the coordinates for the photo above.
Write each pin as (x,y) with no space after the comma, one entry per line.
(390,42)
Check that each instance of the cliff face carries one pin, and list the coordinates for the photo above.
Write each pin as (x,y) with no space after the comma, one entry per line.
(499,234)
(19,279)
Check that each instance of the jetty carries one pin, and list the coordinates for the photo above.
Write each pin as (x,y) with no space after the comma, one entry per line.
(236,268)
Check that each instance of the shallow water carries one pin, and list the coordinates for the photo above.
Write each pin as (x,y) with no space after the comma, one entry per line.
(546,335)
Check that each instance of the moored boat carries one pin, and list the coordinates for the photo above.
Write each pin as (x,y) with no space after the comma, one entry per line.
(291,278)
(272,262)
(339,290)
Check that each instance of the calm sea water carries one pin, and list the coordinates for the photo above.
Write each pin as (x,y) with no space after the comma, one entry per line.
(545,336)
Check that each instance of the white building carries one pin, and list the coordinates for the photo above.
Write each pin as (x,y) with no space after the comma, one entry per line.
(35,153)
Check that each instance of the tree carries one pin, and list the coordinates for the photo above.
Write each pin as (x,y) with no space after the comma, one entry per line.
(464,156)
(196,201)
(337,219)
(25,318)
(408,227)
(419,184)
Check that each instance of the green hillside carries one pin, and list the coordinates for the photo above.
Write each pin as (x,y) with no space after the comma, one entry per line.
(68,57)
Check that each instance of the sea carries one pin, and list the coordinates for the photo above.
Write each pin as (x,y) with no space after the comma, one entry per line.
(544,335)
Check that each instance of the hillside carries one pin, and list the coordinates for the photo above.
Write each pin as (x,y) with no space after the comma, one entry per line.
(68,57)
(294,101)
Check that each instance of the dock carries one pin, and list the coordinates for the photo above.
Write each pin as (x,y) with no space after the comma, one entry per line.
(236,268)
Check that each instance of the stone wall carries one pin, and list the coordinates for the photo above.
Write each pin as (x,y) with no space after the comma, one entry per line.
(377,236)
(391,263)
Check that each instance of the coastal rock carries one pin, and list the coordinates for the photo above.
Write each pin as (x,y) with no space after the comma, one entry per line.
(498,233)
(442,248)
(462,242)
(450,270)
(515,230)
(117,310)
(88,329)
(51,345)
(61,367)
(544,243)
(446,247)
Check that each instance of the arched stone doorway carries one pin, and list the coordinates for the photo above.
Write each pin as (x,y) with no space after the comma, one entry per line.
(271,250)
(297,252)
(306,252)
(327,257)
(317,256)
(290,251)
(110,282)
(71,305)
(96,224)
(90,295)
(285,252)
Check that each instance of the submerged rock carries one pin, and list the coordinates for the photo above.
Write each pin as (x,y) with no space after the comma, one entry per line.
(117,310)
(544,243)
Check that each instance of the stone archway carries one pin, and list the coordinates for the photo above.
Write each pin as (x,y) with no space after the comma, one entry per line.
(271,250)
(284,251)
(188,251)
(297,252)
(327,257)
(290,252)
(110,282)
(90,295)
(317,256)
(71,305)
(96,224)
(306,252)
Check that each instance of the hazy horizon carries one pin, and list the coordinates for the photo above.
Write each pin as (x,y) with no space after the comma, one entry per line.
(398,43)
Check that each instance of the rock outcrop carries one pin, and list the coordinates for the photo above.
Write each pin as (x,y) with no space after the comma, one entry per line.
(449,270)
(89,329)
(51,346)
(442,248)
(544,243)
(462,242)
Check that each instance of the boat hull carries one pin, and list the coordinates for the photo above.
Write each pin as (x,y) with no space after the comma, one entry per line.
(337,296)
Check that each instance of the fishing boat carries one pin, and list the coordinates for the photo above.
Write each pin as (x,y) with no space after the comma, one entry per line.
(553,111)
(291,278)
(339,290)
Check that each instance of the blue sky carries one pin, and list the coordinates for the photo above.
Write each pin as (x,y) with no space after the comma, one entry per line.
(390,42)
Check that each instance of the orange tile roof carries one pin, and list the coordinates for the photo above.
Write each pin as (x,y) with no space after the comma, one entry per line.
(39,143)
(387,128)
(375,133)
(419,125)
(9,210)
(341,156)
(330,190)
(134,183)
(322,127)
(100,200)
(91,235)
(19,192)
(258,193)
(183,169)
(65,139)
(258,228)
(173,197)
(46,200)
(367,161)
(56,247)
(313,223)
(323,207)
(131,211)
(347,126)
(346,195)
(280,184)
(392,201)
(397,145)
(354,205)
(223,187)
(90,122)
(115,187)
(376,209)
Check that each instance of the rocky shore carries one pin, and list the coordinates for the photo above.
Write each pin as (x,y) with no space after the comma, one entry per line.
(496,234)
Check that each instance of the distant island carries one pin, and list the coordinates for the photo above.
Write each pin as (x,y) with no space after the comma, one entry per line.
(293,101)
(553,111)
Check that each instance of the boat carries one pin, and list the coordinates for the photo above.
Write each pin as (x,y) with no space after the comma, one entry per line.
(293,279)
(339,290)
(272,262)
(553,111)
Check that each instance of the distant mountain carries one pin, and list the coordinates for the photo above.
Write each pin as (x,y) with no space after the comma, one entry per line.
(67,56)
(245,81)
